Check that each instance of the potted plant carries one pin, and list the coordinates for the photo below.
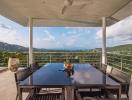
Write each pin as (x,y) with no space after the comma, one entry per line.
(13,62)
(67,64)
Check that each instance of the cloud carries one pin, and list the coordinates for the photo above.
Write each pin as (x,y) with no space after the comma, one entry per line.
(69,38)
(48,36)
(119,33)
(10,35)
(46,41)
(5,26)
(81,30)
(79,37)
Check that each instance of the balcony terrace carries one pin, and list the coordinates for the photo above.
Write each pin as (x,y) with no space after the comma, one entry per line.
(67,13)
(122,62)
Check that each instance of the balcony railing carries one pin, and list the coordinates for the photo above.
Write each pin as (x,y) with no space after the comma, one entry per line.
(120,61)
(53,57)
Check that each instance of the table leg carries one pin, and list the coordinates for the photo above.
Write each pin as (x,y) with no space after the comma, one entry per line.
(69,93)
(20,93)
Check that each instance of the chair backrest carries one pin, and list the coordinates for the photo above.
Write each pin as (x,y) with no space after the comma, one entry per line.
(108,69)
(130,89)
(35,66)
(103,68)
(74,60)
(122,75)
(20,75)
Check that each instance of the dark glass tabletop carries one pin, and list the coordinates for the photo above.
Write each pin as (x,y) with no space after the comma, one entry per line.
(53,74)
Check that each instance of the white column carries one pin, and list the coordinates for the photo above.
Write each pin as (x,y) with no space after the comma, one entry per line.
(104,58)
(30,41)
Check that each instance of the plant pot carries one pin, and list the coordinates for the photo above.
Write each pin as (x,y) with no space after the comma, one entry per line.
(13,64)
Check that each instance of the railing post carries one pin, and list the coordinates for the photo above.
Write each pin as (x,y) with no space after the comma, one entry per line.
(50,58)
(27,60)
(121,62)
(100,60)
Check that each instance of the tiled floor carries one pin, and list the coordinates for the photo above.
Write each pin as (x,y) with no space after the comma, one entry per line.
(7,86)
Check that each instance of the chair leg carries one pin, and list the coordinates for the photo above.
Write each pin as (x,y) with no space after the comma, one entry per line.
(127,96)
(17,96)
(37,90)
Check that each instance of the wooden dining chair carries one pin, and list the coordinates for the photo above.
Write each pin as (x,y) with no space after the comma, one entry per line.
(108,69)
(112,97)
(47,95)
(103,68)
(88,93)
(122,78)
(34,67)
(130,89)
(21,75)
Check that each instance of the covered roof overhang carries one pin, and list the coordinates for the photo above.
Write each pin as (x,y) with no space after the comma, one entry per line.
(72,13)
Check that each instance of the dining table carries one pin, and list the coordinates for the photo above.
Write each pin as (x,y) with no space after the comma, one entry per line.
(84,75)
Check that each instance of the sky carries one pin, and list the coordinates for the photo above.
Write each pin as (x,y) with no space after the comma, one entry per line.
(66,37)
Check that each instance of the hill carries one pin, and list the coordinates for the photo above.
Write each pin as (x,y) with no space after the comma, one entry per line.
(126,47)
(11,47)
(121,49)
(18,48)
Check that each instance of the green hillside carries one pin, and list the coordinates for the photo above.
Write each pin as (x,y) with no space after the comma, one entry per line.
(127,47)
(120,49)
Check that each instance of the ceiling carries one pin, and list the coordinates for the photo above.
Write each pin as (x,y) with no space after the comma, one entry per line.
(72,13)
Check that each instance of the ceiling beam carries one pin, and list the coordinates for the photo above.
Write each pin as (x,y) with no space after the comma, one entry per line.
(120,8)
(114,19)
(68,20)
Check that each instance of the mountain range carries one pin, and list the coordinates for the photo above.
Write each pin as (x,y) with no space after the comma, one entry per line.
(18,48)
(15,48)
(11,47)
